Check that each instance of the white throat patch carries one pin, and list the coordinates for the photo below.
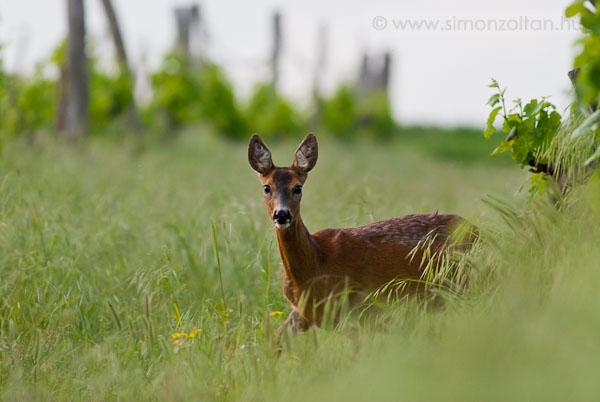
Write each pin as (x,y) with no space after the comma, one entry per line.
(283,226)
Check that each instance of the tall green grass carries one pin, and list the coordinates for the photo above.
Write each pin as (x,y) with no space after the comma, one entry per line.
(111,256)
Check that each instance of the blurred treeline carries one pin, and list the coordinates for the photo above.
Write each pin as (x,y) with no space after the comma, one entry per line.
(186,92)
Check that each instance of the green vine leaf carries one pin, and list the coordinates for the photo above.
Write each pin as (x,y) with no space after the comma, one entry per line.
(494,99)
(491,129)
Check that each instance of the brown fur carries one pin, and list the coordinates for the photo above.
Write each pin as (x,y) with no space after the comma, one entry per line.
(364,258)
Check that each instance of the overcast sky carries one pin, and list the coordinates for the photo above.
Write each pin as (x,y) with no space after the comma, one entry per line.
(439,75)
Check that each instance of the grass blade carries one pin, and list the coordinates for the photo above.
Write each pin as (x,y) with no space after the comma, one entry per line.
(214,231)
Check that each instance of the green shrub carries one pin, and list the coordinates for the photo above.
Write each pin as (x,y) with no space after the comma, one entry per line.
(529,131)
(271,115)
(339,112)
(176,92)
(111,96)
(588,79)
(588,59)
(348,114)
(218,105)
(27,104)
(375,116)
(183,95)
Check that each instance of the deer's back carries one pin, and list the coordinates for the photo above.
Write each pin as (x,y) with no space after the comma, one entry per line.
(375,254)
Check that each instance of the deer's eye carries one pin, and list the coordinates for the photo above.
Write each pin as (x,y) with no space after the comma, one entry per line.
(298,189)
(267,189)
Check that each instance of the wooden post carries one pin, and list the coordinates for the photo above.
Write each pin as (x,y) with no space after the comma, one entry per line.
(76,88)
(115,32)
(187,20)
(371,79)
(320,65)
(121,53)
(198,38)
(364,74)
(61,92)
(385,71)
(276,53)
(183,35)
(321,59)
(573,77)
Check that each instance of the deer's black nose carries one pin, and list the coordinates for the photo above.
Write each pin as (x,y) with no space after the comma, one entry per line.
(282,217)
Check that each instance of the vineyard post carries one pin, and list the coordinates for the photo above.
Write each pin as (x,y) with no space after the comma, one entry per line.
(276,52)
(385,72)
(320,66)
(76,92)
(364,74)
(121,53)
(187,20)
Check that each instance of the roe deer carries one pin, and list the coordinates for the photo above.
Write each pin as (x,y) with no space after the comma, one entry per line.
(318,265)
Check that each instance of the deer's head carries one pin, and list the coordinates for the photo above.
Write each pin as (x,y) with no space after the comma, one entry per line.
(282,186)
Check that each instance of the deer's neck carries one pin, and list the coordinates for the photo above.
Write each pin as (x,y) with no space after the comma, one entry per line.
(299,253)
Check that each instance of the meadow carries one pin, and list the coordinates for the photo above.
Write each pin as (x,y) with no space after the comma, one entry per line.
(147,269)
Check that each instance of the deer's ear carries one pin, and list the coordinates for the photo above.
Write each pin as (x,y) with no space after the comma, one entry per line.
(259,155)
(307,154)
